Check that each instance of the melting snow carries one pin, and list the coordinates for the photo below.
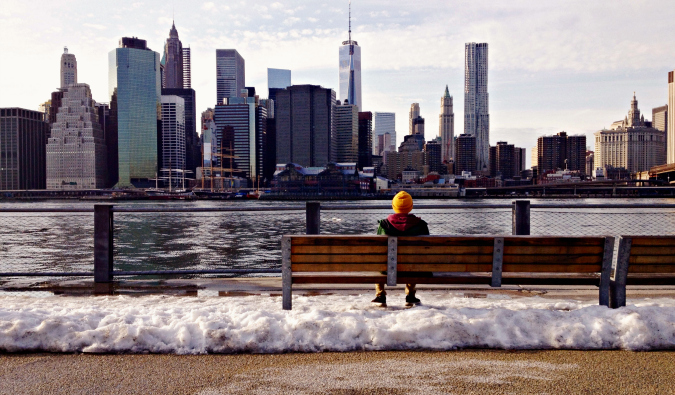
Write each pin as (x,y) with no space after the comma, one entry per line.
(205,324)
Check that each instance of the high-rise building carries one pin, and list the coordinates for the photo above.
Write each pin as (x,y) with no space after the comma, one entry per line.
(433,152)
(172,61)
(304,125)
(590,163)
(247,120)
(135,91)
(671,118)
(562,152)
(192,141)
(418,127)
(346,120)
(384,122)
(630,144)
(365,139)
(107,117)
(76,151)
(476,101)
(412,115)
(520,160)
(660,118)
(277,79)
(446,127)
(503,160)
(173,140)
(23,137)
(385,140)
(350,69)
(230,74)
(465,153)
(187,68)
(68,69)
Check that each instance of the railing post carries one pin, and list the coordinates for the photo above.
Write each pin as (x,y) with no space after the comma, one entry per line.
(103,243)
(521,217)
(313,218)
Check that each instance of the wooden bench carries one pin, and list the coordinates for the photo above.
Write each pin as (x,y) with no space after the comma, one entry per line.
(642,260)
(492,260)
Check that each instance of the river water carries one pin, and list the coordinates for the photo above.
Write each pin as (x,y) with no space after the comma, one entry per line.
(35,242)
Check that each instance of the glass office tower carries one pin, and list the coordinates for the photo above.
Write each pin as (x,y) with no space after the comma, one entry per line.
(350,69)
(135,86)
(230,74)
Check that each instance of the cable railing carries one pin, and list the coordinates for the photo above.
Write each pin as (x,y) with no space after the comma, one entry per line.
(109,241)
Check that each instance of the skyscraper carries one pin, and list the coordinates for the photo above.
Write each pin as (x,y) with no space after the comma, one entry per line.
(465,153)
(350,69)
(670,139)
(247,121)
(660,118)
(365,139)
(276,79)
(23,136)
(187,68)
(561,151)
(346,147)
(68,69)
(413,114)
(173,61)
(476,100)
(76,151)
(173,139)
(446,126)
(230,74)
(304,125)
(384,122)
(135,90)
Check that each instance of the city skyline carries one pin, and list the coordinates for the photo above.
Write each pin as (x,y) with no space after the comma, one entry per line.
(573,80)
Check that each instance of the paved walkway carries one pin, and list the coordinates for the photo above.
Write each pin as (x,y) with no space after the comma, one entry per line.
(460,372)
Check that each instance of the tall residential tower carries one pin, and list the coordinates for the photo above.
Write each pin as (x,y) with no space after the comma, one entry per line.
(476,109)
(350,69)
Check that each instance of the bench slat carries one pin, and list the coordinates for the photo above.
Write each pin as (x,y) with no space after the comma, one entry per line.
(653,250)
(553,241)
(444,241)
(553,259)
(443,267)
(304,279)
(339,267)
(653,241)
(652,260)
(354,240)
(445,250)
(358,258)
(339,249)
(651,269)
(545,268)
(445,259)
(552,250)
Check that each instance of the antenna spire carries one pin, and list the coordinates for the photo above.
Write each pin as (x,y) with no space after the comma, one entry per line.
(350,21)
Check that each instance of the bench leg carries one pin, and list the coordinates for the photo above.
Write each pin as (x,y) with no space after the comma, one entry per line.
(606,272)
(286,274)
(617,285)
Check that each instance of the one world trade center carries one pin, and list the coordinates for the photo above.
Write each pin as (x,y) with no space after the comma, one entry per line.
(350,69)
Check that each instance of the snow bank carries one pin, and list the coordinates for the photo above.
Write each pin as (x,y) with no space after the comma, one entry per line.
(195,325)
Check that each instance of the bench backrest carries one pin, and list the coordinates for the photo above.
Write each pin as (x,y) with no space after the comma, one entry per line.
(338,253)
(554,254)
(648,254)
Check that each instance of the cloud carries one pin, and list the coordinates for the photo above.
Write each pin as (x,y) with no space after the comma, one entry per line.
(290,21)
(95,26)
(209,6)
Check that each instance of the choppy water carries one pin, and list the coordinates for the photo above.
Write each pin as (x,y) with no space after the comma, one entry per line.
(34,242)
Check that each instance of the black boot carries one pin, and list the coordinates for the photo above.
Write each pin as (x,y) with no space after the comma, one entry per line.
(411,300)
(379,301)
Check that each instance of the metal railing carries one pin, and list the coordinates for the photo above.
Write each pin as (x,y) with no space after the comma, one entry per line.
(113,238)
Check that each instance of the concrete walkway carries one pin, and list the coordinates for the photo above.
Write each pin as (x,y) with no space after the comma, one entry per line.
(459,372)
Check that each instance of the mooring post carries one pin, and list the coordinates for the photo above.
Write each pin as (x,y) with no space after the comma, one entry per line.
(313,218)
(103,243)
(521,217)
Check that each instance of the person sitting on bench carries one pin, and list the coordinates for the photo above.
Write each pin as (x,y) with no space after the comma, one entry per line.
(402,223)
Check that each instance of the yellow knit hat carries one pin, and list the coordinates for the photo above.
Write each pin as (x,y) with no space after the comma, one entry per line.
(402,203)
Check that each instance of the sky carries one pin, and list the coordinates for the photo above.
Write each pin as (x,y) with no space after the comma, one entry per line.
(553,65)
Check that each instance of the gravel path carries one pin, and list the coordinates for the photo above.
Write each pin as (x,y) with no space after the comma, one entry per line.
(461,372)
